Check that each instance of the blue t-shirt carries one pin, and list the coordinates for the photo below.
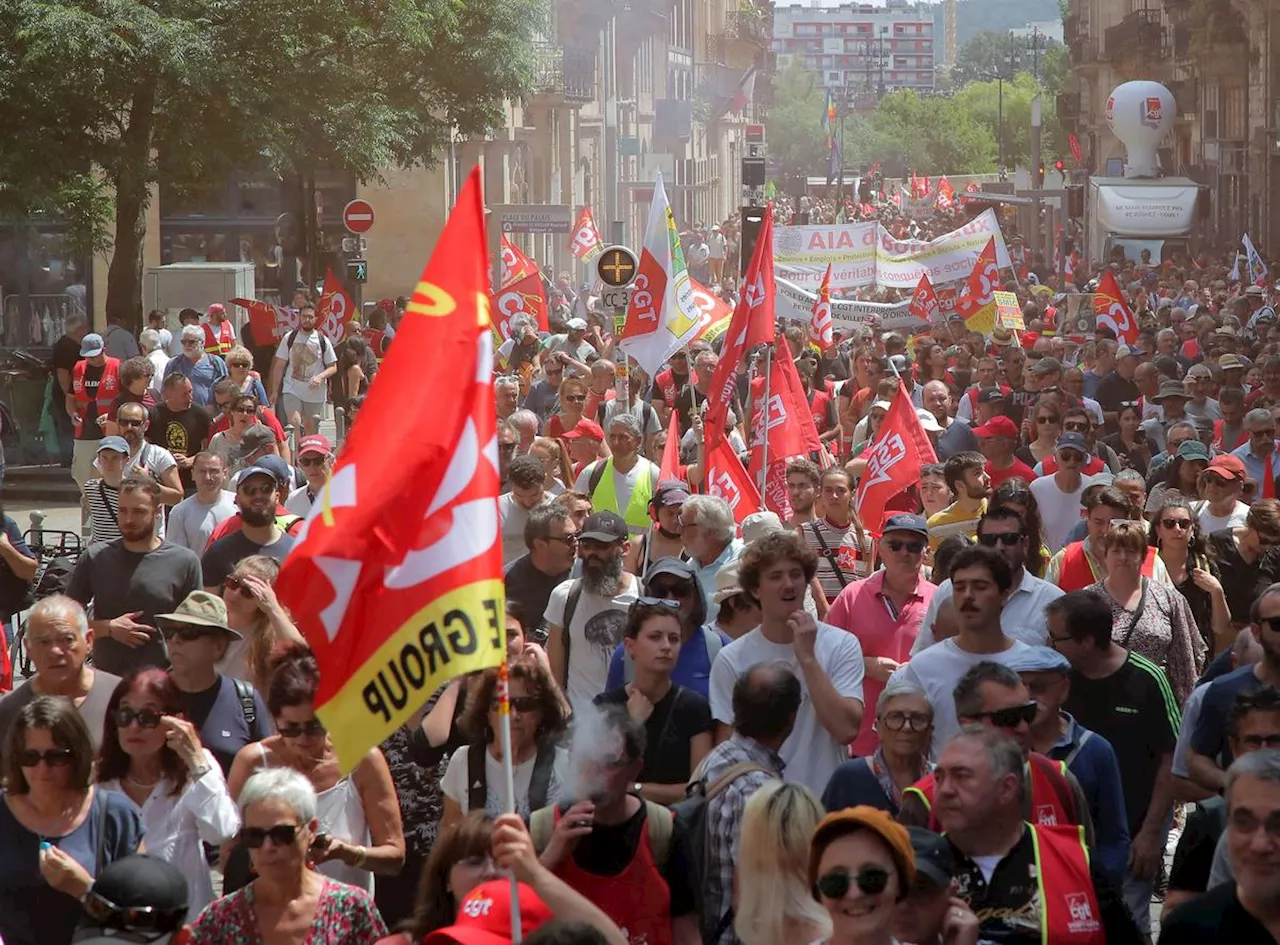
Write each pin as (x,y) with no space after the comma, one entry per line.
(202,374)
(692,669)
(1098,771)
(31,911)
(219,715)
(853,784)
(1210,737)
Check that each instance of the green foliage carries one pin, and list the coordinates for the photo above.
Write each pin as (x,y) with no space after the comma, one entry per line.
(930,135)
(993,53)
(793,127)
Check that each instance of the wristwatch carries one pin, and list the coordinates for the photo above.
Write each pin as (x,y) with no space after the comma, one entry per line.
(638,787)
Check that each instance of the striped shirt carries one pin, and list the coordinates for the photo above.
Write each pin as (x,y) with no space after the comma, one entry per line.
(954,520)
(827,541)
(104,510)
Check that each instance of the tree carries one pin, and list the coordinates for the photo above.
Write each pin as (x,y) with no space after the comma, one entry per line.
(929,135)
(108,99)
(995,53)
(793,126)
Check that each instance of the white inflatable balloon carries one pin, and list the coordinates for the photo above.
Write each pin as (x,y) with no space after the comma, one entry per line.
(1140,114)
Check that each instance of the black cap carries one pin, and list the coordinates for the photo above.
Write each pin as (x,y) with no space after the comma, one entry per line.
(934,860)
(990,395)
(605,526)
(134,882)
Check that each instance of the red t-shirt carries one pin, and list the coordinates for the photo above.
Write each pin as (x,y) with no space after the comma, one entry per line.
(265,415)
(1019,470)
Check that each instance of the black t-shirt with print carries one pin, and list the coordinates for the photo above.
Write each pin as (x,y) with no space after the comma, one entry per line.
(182,433)
(1215,916)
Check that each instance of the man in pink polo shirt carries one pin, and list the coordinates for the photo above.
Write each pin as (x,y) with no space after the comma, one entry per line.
(884,611)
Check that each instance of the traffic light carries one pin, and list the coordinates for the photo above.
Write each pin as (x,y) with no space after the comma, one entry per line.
(1040,175)
(1058,165)
(358,270)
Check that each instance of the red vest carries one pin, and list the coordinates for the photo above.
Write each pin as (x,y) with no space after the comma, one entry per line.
(1069,904)
(818,401)
(1076,573)
(637,899)
(1050,793)
(108,390)
(219,340)
(1227,447)
(376,339)
(1050,465)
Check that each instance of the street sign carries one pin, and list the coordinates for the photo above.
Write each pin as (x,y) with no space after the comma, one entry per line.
(616,266)
(616,297)
(358,270)
(534,217)
(357,216)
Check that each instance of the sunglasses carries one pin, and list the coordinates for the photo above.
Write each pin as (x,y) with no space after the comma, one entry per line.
(1043,420)
(1013,716)
(870,880)
(896,721)
(657,602)
(121,421)
(1258,742)
(281,835)
(307,461)
(1070,456)
(671,590)
(576,400)
(914,547)
(1076,427)
(185,634)
(54,757)
(521,704)
(146,919)
(1008,539)
(235,584)
(312,729)
(569,540)
(147,718)
(1181,524)
(248,411)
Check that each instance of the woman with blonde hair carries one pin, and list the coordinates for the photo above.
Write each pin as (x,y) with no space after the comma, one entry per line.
(254,611)
(573,400)
(774,899)
(555,460)
(240,369)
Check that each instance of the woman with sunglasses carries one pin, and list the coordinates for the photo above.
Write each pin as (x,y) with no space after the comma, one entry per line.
(153,755)
(573,399)
(57,829)
(677,720)
(1017,495)
(360,830)
(1150,618)
(1130,443)
(1247,558)
(1046,427)
(243,414)
(1176,534)
(904,726)
(288,901)
(240,370)
(254,612)
(474,779)
(861,865)
(774,902)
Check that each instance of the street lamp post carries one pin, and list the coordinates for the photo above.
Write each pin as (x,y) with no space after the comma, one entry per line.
(1011,62)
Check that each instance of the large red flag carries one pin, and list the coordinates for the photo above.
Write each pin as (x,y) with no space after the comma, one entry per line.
(924,301)
(787,423)
(752,324)
(396,577)
(977,301)
(714,313)
(894,459)
(670,468)
(727,479)
(525,296)
(268,321)
(820,327)
(336,308)
(515,264)
(1110,309)
(586,244)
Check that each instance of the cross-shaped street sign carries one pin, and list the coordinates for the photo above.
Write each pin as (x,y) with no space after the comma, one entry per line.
(616,266)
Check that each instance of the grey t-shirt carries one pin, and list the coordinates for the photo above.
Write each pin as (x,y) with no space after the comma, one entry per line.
(1221,872)
(93,709)
(119,581)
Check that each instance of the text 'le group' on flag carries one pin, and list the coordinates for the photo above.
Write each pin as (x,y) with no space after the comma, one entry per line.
(396,577)
(662,316)
(899,450)
(1111,311)
(977,301)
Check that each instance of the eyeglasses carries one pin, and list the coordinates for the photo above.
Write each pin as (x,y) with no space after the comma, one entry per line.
(312,729)
(1181,524)
(146,718)
(185,633)
(1263,434)
(1013,716)
(521,704)
(281,835)
(870,880)
(122,421)
(53,758)
(896,721)
(897,544)
(1008,539)
(146,919)
(308,461)
(656,602)
(1245,821)
(1055,642)
(235,584)
(1258,742)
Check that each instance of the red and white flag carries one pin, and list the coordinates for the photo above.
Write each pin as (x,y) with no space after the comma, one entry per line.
(521,292)
(787,423)
(396,576)
(820,327)
(663,315)
(727,479)
(894,459)
(268,322)
(670,468)
(587,244)
(1110,309)
(924,301)
(946,199)
(977,301)
(335,309)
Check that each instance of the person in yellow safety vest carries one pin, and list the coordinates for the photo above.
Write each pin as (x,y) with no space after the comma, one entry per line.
(624,482)
(1028,884)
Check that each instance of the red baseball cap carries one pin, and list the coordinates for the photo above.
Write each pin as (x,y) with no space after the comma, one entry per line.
(316,443)
(484,916)
(587,429)
(1227,466)
(997,426)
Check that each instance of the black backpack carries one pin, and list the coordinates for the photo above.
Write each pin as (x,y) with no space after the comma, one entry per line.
(539,783)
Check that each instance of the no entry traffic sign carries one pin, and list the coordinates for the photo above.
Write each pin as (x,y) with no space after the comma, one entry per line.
(357,216)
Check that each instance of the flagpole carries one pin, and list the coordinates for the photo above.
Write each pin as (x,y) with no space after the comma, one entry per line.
(764,419)
(509,782)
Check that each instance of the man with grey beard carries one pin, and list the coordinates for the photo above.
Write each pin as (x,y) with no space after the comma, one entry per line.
(585,616)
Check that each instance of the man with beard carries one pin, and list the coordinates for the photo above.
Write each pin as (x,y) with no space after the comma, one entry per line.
(967,478)
(585,616)
(663,539)
(132,579)
(256,494)
(311,361)
(803,480)
(148,459)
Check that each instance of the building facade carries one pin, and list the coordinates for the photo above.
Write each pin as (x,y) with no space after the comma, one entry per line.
(860,49)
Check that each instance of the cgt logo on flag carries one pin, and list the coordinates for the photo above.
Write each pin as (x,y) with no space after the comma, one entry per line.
(1080,912)
(725,488)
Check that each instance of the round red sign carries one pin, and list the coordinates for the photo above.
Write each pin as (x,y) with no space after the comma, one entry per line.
(357,216)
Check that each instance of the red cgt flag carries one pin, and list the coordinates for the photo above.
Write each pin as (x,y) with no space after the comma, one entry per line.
(727,479)
(820,328)
(946,199)
(266,320)
(336,309)
(787,423)
(924,301)
(396,577)
(893,460)
(1110,309)
(587,244)
(752,324)
(977,301)
(670,468)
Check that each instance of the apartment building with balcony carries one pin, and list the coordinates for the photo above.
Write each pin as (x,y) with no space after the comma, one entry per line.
(858,49)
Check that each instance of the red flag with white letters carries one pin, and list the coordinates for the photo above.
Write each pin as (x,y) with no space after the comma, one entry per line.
(587,244)
(727,479)
(820,328)
(924,301)
(1110,310)
(335,309)
(268,322)
(894,459)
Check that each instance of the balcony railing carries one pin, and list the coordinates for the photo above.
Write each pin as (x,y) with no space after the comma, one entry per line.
(717,43)
(748,26)
(1139,32)
(565,72)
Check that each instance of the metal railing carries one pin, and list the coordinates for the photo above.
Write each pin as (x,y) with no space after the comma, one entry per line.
(564,71)
(1139,32)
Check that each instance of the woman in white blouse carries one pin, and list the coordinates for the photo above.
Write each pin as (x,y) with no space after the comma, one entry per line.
(153,755)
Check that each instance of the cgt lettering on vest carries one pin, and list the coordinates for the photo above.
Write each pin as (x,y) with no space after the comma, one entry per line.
(416,669)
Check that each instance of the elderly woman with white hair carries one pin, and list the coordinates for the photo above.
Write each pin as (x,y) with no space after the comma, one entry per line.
(288,902)
(708,530)
(904,724)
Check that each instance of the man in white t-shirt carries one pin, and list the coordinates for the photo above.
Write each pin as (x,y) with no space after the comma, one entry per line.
(981,580)
(777,570)
(527,479)
(310,360)
(193,520)
(1223,483)
(586,616)
(315,456)
(573,343)
(1058,494)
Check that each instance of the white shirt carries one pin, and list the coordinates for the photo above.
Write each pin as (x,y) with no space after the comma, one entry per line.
(936,671)
(593,635)
(160,360)
(176,826)
(513,516)
(1022,617)
(192,520)
(299,501)
(811,753)
(311,353)
(1059,511)
(1215,523)
(454,783)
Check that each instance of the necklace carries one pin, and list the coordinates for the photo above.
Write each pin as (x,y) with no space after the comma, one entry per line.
(142,784)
